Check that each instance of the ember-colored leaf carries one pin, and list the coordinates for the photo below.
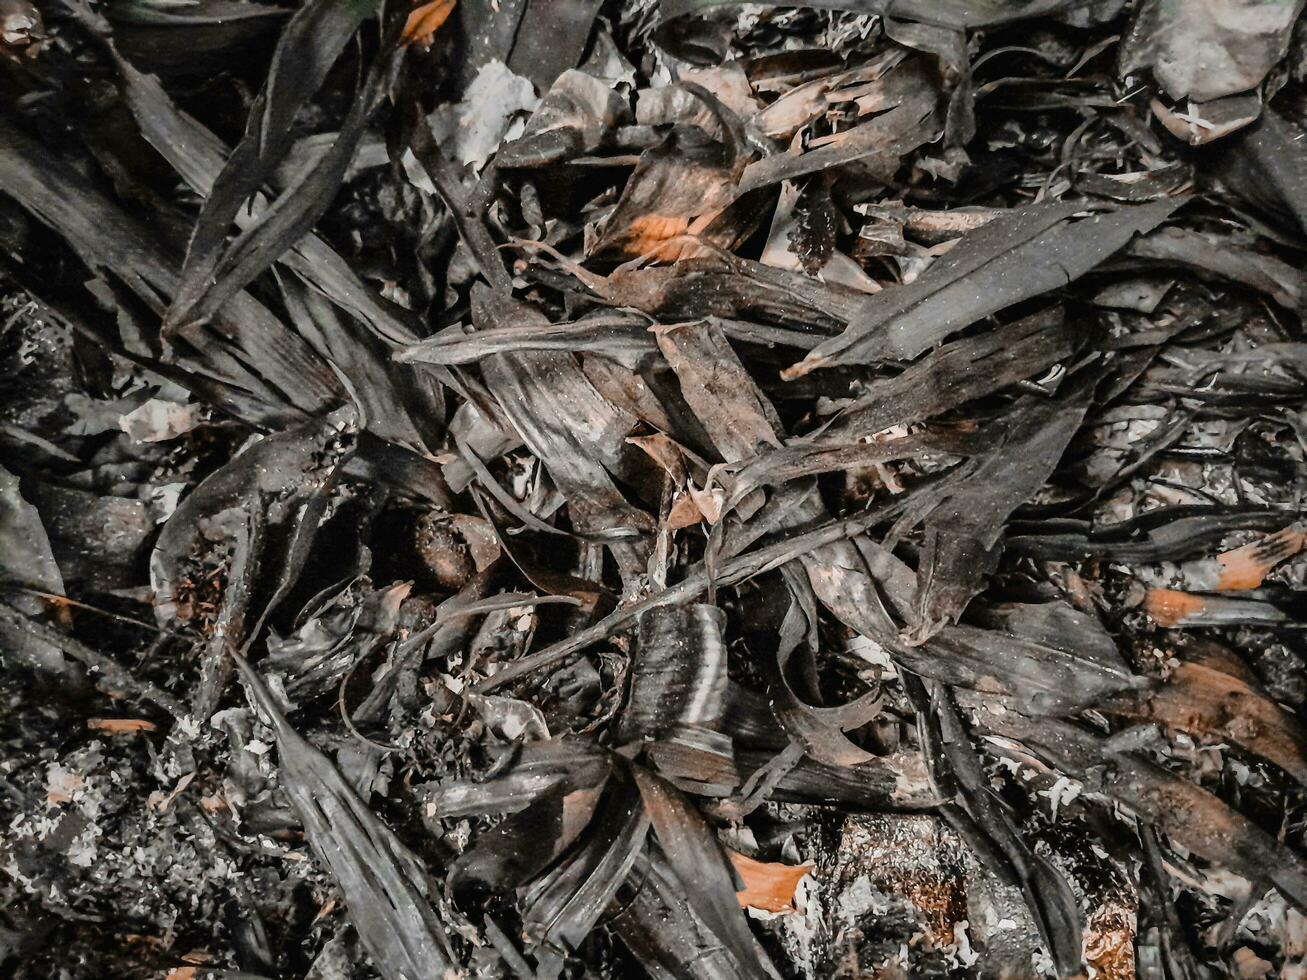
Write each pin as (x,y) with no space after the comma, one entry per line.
(424,20)
(768,885)
(120,726)
(1246,567)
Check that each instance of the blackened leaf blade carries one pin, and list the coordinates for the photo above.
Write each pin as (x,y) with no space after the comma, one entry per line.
(699,862)
(381,879)
(678,674)
(306,50)
(1023,253)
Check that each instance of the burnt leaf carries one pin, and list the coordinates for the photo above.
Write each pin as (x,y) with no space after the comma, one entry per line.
(383,882)
(306,50)
(678,674)
(1024,253)
(699,863)
(561,908)
(963,528)
(816,222)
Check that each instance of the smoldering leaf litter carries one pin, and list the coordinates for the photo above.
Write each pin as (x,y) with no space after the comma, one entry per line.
(669,489)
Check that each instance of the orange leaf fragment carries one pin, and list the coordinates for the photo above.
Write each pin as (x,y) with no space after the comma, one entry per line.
(424,21)
(684,513)
(120,726)
(648,234)
(768,885)
(1170,608)
(1246,567)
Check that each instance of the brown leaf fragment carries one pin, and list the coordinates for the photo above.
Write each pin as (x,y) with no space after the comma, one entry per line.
(1188,813)
(1172,609)
(1205,122)
(1243,568)
(576,432)
(654,920)
(561,908)
(685,512)
(805,102)
(1224,259)
(672,196)
(719,389)
(1211,704)
(21,29)
(963,529)
(902,111)
(954,374)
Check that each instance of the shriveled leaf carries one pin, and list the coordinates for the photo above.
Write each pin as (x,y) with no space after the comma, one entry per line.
(1189,814)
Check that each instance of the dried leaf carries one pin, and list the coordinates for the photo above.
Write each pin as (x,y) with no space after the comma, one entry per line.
(120,726)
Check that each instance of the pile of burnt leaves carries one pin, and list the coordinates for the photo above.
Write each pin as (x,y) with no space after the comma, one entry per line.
(553,488)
